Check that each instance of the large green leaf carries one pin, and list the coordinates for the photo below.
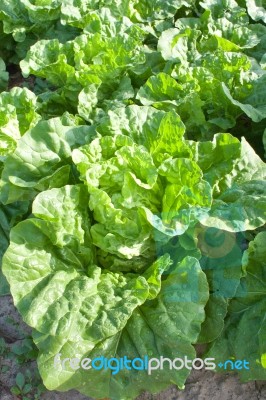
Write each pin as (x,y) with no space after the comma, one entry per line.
(104,321)
(222,263)
(166,325)
(238,179)
(9,216)
(245,322)
(22,16)
(24,102)
(257,9)
(56,270)
(18,114)
(256,112)
(41,159)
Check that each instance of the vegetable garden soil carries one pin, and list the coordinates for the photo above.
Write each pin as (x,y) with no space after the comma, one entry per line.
(16,79)
(201,385)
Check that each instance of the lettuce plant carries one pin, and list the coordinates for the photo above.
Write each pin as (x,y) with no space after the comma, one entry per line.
(94,269)
(133,197)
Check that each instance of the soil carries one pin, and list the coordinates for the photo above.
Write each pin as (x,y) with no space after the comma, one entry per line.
(16,78)
(201,385)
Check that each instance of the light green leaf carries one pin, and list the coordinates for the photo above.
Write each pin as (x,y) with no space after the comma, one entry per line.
(25,103)
(169,140)
(256,112)
(257,9)
(179,46)
(141,123)
(88,99)
(159,90)
(130,197)
(41,159)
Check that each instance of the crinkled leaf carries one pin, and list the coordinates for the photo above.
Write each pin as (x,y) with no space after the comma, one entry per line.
(245,322)
(9,216)
(151,330)
(257,9)
(41,159)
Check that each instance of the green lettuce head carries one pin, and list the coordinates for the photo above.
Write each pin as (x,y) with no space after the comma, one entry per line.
(93,270)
